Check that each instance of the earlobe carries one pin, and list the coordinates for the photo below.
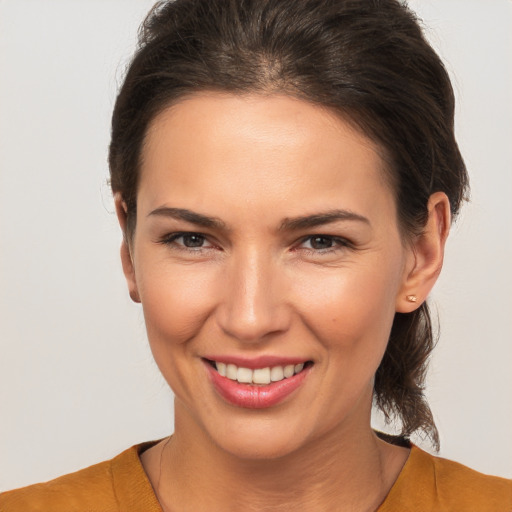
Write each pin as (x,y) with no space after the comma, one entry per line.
(126,256)
(129,271)
(427,253)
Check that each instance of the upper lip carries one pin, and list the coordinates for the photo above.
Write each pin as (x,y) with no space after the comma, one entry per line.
(253,363)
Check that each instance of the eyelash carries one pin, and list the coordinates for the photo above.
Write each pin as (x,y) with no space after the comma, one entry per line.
(338,243)
(171,238)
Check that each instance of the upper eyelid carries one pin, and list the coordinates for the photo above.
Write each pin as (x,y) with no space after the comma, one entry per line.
(171,237)
(341,240)
(184,233)
(324,235)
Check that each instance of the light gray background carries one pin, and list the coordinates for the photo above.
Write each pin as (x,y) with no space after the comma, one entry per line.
(77,381)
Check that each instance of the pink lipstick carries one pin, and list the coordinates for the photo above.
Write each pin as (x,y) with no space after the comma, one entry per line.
(257,396)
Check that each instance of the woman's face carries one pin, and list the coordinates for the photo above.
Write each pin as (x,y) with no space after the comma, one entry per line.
(266,238)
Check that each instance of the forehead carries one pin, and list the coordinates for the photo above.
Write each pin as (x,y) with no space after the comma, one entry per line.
(262,147)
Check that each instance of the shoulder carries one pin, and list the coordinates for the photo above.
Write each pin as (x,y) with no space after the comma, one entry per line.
(89,488)
(433,483)
(459,486)
(103,487)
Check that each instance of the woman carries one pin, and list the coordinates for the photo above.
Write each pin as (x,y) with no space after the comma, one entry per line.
(285,175)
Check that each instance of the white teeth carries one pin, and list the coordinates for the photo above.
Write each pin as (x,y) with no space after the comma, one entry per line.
(231,371)
(221,368)
(244,375)
(289,370)
(259,375)
(276,373)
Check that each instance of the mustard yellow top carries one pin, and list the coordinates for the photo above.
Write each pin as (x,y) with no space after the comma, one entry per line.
(425,484)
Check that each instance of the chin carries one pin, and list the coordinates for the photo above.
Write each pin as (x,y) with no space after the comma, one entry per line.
(257,436)
(259,445)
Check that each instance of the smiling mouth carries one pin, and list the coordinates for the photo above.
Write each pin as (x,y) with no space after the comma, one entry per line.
(261,376)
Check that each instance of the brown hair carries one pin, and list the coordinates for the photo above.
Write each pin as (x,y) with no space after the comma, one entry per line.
(367,60)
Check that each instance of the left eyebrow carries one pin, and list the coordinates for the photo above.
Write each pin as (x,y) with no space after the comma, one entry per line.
(319,219)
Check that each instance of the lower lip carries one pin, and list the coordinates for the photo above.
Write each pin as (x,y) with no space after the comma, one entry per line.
(255,396)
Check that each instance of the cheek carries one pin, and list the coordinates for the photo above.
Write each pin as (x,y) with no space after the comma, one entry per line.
(350,308)
(176,301)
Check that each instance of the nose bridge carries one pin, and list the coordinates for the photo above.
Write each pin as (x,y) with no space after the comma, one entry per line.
(253,306)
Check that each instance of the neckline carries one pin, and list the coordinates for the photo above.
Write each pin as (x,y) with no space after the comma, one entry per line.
(133,488)
(131,484)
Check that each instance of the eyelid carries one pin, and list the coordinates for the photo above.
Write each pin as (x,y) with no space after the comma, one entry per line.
(170,239)
(339,243)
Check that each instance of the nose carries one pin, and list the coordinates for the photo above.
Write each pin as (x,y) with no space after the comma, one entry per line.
(254,303)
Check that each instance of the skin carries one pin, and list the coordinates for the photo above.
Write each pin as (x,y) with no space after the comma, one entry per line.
(258,285)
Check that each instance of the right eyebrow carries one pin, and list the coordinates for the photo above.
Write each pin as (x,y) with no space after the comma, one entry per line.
(189,216)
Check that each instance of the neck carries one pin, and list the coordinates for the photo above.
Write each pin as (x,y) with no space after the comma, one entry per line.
(350,469)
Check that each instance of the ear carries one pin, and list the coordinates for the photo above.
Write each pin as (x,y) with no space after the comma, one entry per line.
(126,256)
(426,255)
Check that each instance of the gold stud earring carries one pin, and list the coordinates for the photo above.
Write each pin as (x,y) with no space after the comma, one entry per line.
(412,298)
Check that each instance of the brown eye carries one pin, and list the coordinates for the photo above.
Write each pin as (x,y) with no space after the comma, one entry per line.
(193,240)
(186,241)
(321,242)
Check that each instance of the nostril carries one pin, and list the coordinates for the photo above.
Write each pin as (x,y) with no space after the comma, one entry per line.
(253,325)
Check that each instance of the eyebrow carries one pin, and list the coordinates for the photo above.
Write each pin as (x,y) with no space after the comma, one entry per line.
(288,224)
(189,216)
(319,219)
